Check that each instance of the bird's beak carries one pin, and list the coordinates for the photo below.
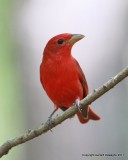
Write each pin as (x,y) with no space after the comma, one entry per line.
(75,37)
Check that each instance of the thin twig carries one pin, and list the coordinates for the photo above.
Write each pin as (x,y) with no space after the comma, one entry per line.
(30,134)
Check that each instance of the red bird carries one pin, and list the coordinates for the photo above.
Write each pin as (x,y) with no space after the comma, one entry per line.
(61,76)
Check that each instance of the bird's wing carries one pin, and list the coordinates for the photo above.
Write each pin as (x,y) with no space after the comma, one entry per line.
(82,80)
(84,84)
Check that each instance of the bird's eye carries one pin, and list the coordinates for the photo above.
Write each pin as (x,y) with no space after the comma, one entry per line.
(60,41)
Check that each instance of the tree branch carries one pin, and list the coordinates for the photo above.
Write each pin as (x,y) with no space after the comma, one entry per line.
(30,134)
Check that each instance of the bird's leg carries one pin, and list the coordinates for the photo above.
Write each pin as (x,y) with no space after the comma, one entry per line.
(84,112)
(50,117)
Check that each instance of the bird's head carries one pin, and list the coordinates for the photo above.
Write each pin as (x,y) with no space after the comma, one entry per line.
(62,44)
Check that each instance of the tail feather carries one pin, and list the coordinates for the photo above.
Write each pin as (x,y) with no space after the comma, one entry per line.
(91,115)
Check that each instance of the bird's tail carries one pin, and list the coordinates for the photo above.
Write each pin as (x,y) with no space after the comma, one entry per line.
(91,115)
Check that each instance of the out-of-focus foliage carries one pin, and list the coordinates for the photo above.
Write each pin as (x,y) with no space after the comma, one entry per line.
(11,107)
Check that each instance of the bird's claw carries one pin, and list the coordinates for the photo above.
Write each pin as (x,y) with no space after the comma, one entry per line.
(49,122)
(84,112)
(78,104)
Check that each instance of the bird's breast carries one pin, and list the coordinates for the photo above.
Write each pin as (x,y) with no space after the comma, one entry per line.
(61,83)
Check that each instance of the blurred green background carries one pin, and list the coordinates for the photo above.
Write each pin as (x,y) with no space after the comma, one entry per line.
(12,113)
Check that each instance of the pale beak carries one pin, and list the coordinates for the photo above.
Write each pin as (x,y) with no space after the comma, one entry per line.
(75,38)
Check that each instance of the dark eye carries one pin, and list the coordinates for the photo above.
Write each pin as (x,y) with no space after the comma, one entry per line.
(60,41)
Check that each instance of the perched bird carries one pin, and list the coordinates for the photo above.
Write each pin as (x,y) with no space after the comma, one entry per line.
(62,77)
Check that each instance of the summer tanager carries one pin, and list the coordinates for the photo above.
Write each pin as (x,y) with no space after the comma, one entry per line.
(62,77)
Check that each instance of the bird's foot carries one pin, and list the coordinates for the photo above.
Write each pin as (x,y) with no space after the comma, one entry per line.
(84,112)
(49,122)
(78,104)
